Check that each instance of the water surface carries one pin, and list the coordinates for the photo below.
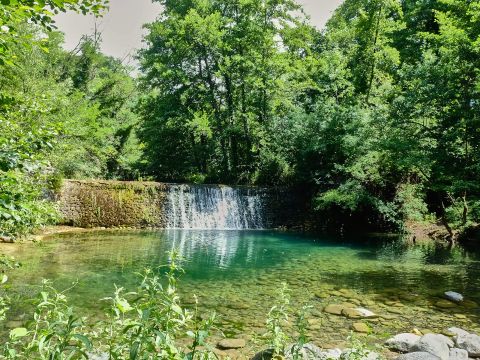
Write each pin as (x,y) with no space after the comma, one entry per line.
(236,273)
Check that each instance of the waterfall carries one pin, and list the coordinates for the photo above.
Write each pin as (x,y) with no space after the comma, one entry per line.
(214,207)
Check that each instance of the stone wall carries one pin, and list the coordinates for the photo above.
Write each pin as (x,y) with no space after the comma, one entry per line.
(101,203)
(112,203)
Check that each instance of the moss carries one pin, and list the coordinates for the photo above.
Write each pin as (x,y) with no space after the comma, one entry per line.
(112,203)
(102,203)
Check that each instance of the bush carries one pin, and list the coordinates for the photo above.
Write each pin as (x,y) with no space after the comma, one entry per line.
(22,207)
(146,324)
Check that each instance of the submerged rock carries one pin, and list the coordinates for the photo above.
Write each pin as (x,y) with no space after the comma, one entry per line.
(433,344)
(445,304)
(402,342)
(334,309)
(453,296)
(361,327)
(469,304)
(356,313)
(321,295)
(418,355)
(457,331)
(226,344)
(471,343)
(395,311)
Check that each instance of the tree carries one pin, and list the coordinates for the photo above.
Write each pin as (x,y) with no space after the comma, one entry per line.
(217,72)
(26,129)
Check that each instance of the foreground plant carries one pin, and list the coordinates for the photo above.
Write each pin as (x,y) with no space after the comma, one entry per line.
(279,343)
(54,333)
(147,324)
(152,323)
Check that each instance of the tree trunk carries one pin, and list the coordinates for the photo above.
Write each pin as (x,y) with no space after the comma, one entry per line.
(375,41)
(451,233)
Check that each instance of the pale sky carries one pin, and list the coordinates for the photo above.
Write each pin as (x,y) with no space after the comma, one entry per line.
(122,31)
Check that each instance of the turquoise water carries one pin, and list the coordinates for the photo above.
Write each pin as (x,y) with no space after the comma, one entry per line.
(236,274)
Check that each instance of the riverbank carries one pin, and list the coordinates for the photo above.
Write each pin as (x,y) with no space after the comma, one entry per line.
(426,231)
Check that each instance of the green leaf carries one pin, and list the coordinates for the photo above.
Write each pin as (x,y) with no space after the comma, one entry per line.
(85,340)
(177,309)
(134,350)
(123,305)
(18,333)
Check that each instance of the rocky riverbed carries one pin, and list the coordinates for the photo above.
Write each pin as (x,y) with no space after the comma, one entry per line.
(453,344)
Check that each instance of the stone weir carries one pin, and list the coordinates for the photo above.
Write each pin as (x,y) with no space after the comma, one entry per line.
(99,203)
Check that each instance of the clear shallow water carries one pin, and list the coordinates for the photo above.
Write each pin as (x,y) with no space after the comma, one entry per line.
(236,273)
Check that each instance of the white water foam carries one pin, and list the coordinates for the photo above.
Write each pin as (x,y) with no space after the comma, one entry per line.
(214,207)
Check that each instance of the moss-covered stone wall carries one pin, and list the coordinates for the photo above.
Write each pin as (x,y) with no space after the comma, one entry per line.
(102,203)
(112,203)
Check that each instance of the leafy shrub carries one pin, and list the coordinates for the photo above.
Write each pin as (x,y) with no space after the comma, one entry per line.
(410,199)
(146,324)
(22,208)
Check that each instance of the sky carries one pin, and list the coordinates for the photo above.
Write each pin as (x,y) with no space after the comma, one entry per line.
(122,31)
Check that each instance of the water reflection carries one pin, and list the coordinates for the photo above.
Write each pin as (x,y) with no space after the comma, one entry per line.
(101,259)
(221,246)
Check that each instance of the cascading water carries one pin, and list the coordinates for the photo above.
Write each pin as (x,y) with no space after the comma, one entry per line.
(214,207)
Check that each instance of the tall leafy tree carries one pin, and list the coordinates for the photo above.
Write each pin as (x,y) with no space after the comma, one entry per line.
(217,72)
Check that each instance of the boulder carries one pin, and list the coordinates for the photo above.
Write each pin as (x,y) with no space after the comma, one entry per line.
(263,355)
(308,352)
(471,343)
(434,345)
(331,354)
(458,354)
(231,344)
(418,355)
(359,355)
(453,296)
(446,340)
(457,331)
(402,342)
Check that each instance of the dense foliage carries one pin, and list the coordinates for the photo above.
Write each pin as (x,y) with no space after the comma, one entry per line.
(62,114)
(377,115)
(216,73)
(146,324)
